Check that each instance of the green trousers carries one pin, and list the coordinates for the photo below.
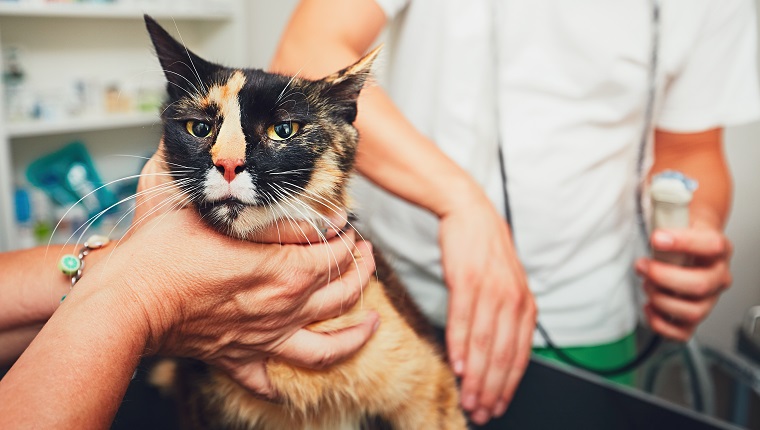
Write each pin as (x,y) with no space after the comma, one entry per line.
(606,355)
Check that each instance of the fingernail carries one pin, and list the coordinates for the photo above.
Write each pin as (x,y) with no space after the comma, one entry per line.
(469,402)
(500,408)
(662,239)
(481,416)
(377,324)
(458,367)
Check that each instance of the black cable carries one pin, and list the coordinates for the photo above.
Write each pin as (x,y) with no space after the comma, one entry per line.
(654,342)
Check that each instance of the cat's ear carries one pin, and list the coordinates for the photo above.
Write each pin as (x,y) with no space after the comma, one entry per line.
(345,85)
(184,71)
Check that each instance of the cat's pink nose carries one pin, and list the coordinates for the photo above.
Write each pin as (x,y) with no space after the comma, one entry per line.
(229,168)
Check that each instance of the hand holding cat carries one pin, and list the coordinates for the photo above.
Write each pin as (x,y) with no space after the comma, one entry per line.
(492,314)
(233,303)
(681,297)
(279,289)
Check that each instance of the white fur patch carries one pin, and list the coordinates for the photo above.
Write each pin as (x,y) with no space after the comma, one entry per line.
(216,188)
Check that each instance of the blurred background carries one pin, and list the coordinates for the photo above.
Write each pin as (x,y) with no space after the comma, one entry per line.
(81,90)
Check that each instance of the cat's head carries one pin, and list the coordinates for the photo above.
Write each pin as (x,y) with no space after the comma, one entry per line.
(249,147)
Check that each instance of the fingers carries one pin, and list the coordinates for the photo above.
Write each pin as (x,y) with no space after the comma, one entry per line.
(499,366)
(668,327)
(344,291)
(319,350)
(700,242)
(693,282)
(479,347)
(289,231)
(522,358)
(318,264)
(508,358)
(458,326)
(252,375)
(681,309)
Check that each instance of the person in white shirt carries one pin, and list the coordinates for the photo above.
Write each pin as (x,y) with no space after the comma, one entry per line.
(559,94)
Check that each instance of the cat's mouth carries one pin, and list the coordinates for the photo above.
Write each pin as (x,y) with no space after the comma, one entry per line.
(229,202)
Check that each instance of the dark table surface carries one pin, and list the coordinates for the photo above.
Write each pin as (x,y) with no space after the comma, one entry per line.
(550,396)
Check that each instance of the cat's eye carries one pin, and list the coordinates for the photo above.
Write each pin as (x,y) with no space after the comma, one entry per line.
(282,130)
(198,128)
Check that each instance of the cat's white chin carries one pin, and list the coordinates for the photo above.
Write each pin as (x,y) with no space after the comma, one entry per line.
(250,220)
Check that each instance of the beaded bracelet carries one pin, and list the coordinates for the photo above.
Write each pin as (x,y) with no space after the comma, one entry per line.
(72,265)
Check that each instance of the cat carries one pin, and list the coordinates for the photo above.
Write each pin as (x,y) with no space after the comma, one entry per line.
(264,146)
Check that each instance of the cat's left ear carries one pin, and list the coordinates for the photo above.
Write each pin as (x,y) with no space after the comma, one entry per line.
(185,71)
(345,85)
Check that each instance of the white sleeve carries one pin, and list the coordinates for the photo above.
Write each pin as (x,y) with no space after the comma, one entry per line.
(391,8)
(718,83)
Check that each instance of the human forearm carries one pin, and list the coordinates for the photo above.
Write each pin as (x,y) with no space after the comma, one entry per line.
(30,291)
(699,156)
(31,287)
(397,157)
(79,365)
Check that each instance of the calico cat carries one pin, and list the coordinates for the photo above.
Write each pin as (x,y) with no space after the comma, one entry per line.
(264,146)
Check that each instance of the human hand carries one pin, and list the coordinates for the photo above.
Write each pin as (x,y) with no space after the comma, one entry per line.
(492,313)
(681,297)
(233,303)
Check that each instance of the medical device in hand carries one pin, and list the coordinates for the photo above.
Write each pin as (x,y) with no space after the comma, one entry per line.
(671,194)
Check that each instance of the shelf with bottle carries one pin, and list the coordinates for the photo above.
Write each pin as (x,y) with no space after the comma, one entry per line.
(119,9)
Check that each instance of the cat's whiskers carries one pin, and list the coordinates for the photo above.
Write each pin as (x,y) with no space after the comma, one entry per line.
(88,195)
(274,172)
(283,200)
(161,206)
(168,105)
(288,201)
(328,205)
(269,200)
(152,192)
(94,218)
(293,78)
(317,198)
(191,95)
(294,197)
(195,70)
(330,224)
(190,168)
(295,102)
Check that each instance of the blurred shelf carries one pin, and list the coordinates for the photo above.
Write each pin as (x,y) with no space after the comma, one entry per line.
(81,124)
(208,10)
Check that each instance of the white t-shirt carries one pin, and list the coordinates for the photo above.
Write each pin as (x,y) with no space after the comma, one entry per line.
(563,86)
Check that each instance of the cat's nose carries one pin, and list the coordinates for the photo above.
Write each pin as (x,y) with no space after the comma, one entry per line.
(229,168)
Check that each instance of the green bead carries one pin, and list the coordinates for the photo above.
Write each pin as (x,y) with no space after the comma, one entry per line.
(69,264)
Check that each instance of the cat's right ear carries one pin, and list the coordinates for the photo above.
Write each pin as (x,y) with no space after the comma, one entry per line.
(185,72)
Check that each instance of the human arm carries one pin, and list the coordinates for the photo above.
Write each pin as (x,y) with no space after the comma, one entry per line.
(491,311)
(26,302)
(229,303)
(681,297)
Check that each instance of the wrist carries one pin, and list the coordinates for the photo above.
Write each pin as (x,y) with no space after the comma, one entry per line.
(110,283)
(461,193)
